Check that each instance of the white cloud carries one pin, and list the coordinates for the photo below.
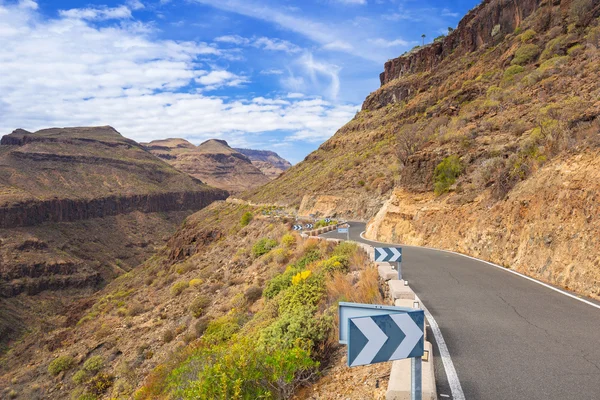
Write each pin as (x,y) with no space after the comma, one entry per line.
(447,13)
(271,72)
(276,45)
(135,4)
(389,43)
(265,43)
(69,72)
(120,12)
(218,78)
(338,45)
(28,4)
(359,2)
(233,39)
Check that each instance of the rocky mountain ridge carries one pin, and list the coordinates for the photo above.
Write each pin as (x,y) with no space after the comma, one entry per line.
(269,162)
(219,165)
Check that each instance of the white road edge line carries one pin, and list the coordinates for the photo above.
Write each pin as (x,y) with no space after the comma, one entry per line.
(451,375)
(503,269)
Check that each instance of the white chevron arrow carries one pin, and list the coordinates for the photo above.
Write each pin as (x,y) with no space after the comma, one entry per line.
(395,254)
(413,335)
(376,339)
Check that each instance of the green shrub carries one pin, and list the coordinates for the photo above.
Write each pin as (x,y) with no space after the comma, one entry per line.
(299,326)
(336,263)
(310,256)
(526,54)
(553,63)
(198,305)
(445,174)
(555,47)
(288,240)
(241,371)
(246,218)
(527,35)
(281,255)
(574,51)
(80,377)
(93,364)
(279,283)
(222,329)
(178,287)
(263,246)
(512,71)
(100,383)
(345,249)
(307,294)
(59,364)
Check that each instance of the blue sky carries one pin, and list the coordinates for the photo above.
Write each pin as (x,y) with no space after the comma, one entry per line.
(279,75)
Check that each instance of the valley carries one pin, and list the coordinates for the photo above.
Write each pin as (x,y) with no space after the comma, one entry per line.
(170,270)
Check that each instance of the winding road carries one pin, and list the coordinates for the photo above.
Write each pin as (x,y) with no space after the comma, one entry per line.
(508,337)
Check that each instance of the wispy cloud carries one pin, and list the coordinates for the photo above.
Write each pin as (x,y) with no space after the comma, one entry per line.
(104,13)
(316,31)
(389,43)
(264,43)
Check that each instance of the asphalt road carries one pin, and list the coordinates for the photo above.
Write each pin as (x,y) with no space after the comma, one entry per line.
(508,337)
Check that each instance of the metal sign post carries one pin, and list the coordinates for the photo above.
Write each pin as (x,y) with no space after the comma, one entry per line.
(416,384)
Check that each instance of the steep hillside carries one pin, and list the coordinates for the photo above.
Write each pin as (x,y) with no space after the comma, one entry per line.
(269,162)
(78,207)
(213,162)
(473,125)
(241,298)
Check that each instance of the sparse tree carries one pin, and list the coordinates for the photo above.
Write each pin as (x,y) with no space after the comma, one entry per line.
(423,37)
(450,30)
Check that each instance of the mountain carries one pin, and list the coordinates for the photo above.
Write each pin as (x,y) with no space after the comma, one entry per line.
(483,142)
(79,207)
(213,162)
(269,162)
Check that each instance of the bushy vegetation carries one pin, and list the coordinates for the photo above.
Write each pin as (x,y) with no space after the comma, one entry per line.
(246,218)
(446,173)
(178,287)
(60,364)
(526,54)
(263,246)
(271,353)
(93,364)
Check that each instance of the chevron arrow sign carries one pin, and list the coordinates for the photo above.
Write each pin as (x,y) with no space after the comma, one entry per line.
(383,338)
(389,254)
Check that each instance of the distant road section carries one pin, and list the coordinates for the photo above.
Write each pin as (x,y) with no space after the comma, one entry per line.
(509,338)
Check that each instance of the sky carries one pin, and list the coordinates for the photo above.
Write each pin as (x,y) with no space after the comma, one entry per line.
(281,75)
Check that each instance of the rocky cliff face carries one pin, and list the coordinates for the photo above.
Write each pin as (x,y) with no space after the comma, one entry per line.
(65,210)
(213,162)
(485,25)
(269,162)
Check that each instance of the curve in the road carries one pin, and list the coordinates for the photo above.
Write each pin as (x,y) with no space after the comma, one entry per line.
(509,337)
